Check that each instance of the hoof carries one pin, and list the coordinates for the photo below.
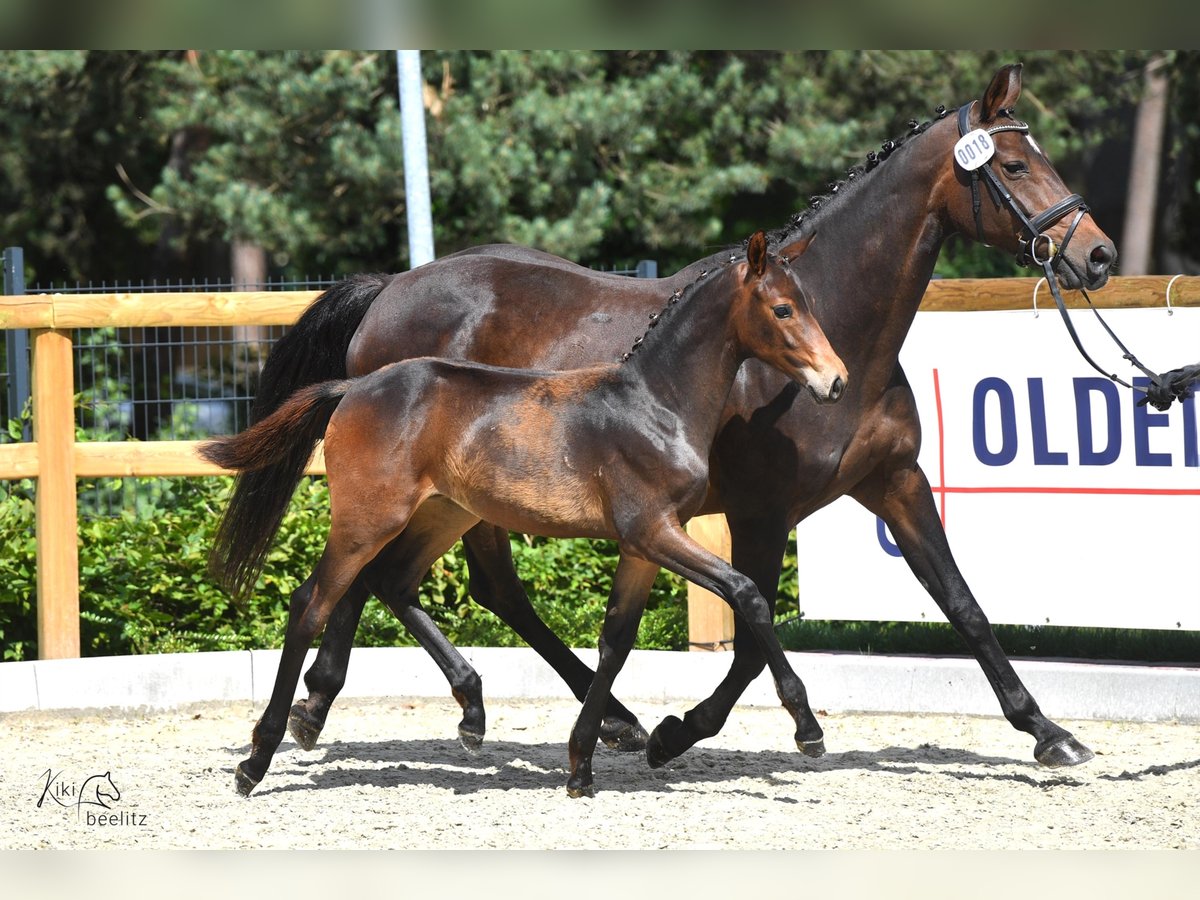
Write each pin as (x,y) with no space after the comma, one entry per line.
(815,749)
(304,727)
(470,740)
(576,791)
(657,753)
(1065,751)
(623,736)
(243,781)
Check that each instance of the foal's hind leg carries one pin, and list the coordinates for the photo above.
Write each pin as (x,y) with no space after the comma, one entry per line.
(758,548)
(310,607)
(395,576)
(495,587)
(327,675)
(905,502)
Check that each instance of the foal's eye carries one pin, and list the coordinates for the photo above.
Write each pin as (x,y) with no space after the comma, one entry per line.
(1016,167)
(782,311)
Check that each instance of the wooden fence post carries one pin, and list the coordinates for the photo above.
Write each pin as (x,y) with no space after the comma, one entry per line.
(53,398)
(710,619)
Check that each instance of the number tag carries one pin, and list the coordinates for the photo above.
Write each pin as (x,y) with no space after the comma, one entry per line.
(974,149)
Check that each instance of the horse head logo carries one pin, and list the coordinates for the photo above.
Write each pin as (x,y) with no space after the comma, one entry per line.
(99,790)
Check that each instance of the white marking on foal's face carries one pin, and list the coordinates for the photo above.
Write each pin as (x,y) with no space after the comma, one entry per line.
(1034,144)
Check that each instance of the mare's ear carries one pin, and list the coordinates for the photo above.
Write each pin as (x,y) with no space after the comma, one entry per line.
(797,247)
(1002,93)
(756,254)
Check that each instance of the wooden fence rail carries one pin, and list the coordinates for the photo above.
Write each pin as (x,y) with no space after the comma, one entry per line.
(56,460)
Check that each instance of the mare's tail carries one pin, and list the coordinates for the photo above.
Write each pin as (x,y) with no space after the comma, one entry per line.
(312,351)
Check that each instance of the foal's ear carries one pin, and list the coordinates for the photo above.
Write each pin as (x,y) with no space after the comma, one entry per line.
(756,254)
(1002,93)
(796,248)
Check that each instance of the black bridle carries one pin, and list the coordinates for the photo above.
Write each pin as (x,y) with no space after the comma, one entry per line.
(1036,248)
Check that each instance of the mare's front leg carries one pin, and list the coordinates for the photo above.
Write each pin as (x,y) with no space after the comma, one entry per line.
(631,588)
(903,499)
(758,548)
(495,586)
(671,547)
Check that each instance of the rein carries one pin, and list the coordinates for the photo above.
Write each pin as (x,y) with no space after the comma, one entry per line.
(1037,248)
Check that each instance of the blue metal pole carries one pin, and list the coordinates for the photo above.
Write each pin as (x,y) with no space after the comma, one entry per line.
(416,158)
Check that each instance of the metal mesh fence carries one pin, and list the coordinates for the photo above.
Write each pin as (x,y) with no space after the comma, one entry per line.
(155,383)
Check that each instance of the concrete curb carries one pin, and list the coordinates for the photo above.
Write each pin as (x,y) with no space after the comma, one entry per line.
(836,682)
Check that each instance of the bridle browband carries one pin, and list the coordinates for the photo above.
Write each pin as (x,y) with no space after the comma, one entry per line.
(1035,247)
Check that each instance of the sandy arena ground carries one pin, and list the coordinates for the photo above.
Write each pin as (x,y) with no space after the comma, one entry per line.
(391,774)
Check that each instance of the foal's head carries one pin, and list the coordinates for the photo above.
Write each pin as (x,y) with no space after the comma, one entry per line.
(774,322)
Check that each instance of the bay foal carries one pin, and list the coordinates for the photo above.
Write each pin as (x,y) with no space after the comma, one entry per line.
(616,451)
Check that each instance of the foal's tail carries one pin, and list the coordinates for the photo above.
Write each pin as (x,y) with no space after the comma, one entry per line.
(312,351)
(283,440)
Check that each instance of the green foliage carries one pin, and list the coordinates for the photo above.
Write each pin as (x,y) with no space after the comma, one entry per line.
(18,572)
(144,586)
(598,156)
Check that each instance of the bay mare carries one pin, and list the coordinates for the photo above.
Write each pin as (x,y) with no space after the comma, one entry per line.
(614,451)
(776,459)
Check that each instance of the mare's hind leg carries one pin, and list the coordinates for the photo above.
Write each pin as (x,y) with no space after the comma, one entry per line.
(631,588)
(495,586)
(905,502)
(758,548)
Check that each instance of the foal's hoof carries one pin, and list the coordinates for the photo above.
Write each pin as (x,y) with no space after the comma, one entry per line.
(815,749)
(243,781)
(470,740)
(628,737)
(1066,751)
(303,726)
(658,752)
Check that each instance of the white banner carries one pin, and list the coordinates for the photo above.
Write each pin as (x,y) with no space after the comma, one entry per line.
(1065,503)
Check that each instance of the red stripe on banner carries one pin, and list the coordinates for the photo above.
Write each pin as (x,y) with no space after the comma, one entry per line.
(1144,492)
(937,396)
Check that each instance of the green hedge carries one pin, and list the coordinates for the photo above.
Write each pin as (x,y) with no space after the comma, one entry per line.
(144,586)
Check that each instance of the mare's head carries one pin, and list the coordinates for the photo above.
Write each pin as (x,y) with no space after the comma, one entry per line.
(1039,220)
(773,320)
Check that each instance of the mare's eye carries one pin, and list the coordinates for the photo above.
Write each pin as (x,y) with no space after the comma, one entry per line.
(782,311)
(1016,167)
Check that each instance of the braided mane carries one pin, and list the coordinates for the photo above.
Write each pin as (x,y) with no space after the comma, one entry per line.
(854,176)
(686,292)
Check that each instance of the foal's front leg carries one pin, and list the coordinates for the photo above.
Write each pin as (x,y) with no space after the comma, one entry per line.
(671,547)
(631,588)
(758,548)
(495,587)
